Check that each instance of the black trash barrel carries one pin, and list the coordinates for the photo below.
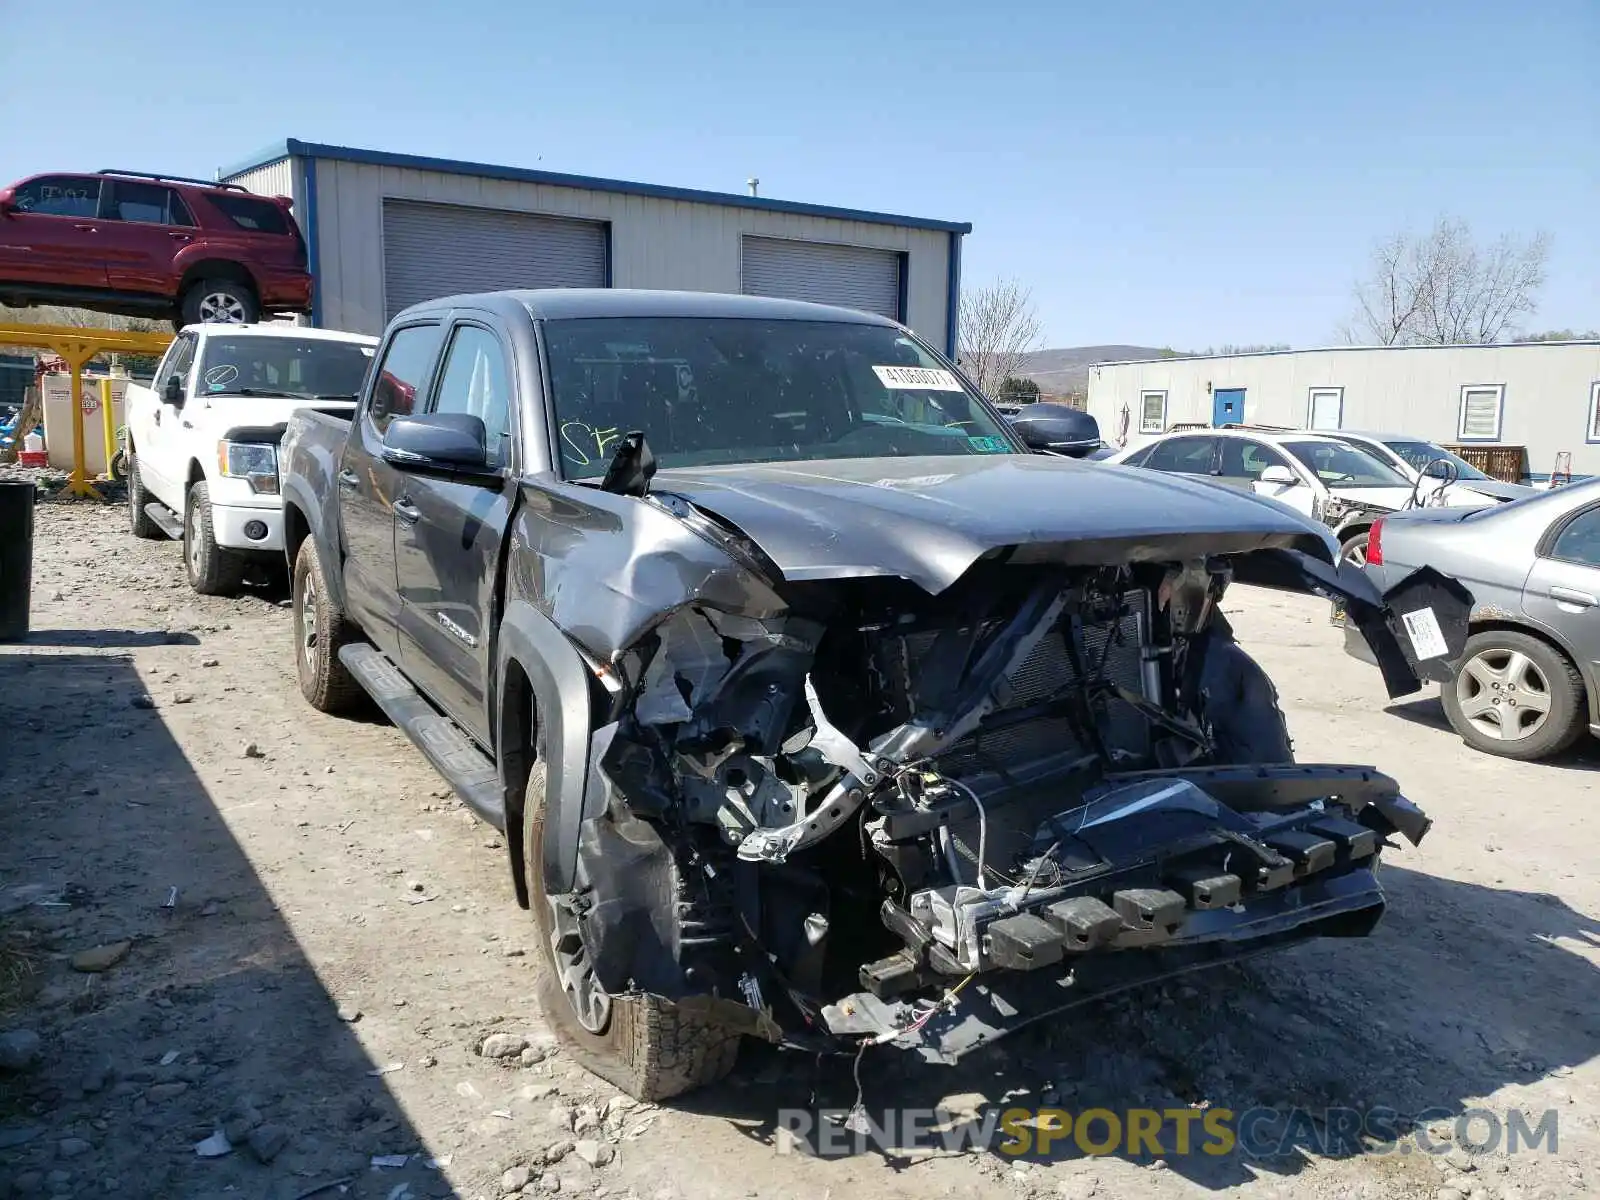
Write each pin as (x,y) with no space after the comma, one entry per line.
(16,558)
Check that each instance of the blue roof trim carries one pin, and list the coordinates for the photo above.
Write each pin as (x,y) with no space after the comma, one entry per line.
(450,166)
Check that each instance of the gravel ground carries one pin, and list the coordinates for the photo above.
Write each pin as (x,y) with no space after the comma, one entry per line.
(250,928)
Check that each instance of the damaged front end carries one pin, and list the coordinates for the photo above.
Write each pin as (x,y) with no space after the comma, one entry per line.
(894,814)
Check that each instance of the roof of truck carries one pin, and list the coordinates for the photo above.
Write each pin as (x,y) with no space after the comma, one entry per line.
(563,304)
(278,329)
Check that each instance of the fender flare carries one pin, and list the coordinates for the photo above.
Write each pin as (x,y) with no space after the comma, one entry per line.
(301,498)
(561,704)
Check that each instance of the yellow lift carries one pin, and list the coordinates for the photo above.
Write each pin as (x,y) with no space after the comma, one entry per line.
(76,347)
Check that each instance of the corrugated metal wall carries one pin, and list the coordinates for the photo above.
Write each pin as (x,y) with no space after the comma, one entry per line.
(1546,407)
(275,179)
(655,243)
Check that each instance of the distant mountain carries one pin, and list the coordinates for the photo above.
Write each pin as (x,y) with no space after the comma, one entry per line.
(1067,369)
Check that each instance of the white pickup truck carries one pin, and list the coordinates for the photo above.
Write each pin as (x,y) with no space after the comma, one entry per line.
(202,439)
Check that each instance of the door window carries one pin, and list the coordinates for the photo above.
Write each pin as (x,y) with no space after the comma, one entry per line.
(1579,542)
(475,382)
(407,363)
(148,203)
(1245,460)
(177,363)
(59,196)
(1190,455)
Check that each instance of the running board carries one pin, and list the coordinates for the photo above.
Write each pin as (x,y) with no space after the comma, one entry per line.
(169,521)
(466,768)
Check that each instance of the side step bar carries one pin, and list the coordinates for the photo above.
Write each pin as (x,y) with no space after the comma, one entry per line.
(169,521)
(466,768)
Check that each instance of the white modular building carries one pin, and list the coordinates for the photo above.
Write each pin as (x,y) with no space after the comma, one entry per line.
(384,231)
(1541,396)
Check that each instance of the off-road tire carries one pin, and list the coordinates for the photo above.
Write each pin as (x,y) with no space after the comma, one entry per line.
(212,570)
(1569,709)
(240,294)
(651,1048)
(325,682)
(138,520)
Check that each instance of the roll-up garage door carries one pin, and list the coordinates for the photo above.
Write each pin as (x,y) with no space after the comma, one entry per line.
(433,250)
(851,276)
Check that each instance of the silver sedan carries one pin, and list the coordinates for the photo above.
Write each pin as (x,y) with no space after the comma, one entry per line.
(1527,684)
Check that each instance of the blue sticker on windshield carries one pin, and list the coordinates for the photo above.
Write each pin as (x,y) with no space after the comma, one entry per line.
(988,445)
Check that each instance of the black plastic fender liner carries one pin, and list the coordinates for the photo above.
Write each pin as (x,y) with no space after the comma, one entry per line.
(561,685)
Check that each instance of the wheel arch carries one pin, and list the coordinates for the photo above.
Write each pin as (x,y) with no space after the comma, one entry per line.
(216,268)
(545,680)
(1540,634)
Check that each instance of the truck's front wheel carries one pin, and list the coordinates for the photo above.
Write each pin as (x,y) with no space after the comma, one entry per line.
(213,571)
(320,629)
(647,1046)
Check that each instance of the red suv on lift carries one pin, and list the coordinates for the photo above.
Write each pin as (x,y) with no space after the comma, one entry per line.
(150,245)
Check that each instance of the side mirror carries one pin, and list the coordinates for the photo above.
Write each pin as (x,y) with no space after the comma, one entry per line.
(1033,436)
(1279,476)
(451,443)
(173,392)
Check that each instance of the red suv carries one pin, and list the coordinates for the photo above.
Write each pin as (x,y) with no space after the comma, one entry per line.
(151,245)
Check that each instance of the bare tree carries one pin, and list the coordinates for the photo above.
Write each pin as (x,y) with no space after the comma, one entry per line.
(1443,288)
(998,327)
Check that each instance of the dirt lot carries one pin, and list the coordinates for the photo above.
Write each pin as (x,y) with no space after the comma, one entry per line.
(276,873)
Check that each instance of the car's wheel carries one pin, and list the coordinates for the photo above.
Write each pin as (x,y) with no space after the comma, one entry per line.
(1353,549)
(224,301)
(647,1046)
(213,571)
(1515,696)
(320,629)
(138,520)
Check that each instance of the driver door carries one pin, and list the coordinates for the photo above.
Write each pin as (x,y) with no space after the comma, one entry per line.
(154,427)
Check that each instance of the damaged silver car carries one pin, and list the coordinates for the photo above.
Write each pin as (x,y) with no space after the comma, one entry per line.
(815,708)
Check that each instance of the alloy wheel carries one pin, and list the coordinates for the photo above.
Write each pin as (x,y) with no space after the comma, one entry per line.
(1504,694)
(221,307)
(308,623)
(574,973)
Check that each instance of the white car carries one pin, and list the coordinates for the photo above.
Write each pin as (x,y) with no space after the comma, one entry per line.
(1412,455)
(202,439)
(1325,478)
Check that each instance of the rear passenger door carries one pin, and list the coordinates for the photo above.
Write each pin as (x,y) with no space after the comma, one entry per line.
(1562,591)
(370,487)
(1187,454)
(448,535)
(142,227)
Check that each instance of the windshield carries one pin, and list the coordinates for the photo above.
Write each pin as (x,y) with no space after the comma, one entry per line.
(282,366)
(739,390)
(1339,465)
(1420,454)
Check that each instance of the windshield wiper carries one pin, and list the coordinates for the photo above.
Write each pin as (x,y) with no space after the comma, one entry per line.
(276,393)
(334,396)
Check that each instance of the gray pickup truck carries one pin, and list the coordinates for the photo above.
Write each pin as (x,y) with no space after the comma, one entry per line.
(813,707)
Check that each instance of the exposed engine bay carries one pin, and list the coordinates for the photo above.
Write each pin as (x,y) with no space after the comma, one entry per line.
(891,815)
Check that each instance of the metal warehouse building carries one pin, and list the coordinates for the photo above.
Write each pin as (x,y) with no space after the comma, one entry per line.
(386,230)
(1544,396)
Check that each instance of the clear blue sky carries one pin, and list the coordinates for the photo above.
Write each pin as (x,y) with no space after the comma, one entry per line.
(1159,173)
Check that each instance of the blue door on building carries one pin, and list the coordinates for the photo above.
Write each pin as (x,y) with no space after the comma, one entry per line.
(1227,406)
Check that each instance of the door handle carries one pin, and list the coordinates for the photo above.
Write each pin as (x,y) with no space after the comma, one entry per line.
(86,228)
(180,237)
(1572,596)
(349,479)
(406,511)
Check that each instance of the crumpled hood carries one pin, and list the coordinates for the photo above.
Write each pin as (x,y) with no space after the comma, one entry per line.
(929,519)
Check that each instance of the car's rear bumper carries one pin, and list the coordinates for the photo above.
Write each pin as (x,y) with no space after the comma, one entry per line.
(285,291)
